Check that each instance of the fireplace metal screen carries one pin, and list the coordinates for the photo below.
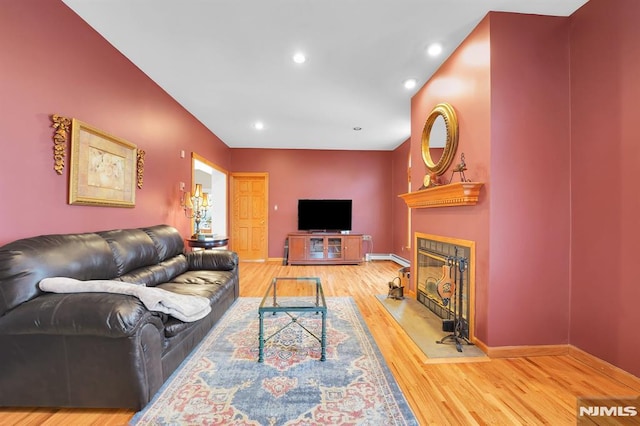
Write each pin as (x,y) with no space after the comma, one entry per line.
(435,265)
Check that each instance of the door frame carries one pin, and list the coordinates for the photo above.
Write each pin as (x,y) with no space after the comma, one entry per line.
(216,169)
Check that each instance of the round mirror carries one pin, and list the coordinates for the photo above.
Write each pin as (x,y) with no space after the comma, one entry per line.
(440,138)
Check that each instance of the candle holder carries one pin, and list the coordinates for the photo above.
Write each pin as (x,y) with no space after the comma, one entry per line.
(195,206)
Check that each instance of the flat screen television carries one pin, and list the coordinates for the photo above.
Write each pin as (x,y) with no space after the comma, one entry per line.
(324,215)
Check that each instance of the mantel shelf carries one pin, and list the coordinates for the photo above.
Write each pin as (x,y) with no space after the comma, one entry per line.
(453,194)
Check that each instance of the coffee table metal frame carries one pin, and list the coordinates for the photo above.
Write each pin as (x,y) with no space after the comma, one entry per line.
(274,302)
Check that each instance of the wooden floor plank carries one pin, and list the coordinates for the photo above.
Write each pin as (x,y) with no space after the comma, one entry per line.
(504,391)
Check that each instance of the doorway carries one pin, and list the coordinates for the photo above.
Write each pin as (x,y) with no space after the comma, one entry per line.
(214,182)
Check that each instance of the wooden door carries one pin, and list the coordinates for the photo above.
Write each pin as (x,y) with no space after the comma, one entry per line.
(249,215)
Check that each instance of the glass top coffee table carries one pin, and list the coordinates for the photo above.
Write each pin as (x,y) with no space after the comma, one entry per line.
(296,297)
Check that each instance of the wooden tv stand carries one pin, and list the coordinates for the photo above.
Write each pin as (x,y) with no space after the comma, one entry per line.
(324,248)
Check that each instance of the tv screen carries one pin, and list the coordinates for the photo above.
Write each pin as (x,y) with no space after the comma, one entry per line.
(324,215)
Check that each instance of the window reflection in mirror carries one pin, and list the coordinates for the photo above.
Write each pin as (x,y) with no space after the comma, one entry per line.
(214,183)
(437,138)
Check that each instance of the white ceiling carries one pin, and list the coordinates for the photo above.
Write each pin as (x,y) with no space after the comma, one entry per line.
(229,62)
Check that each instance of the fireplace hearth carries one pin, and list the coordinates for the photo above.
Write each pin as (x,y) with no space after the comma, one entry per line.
(442,286)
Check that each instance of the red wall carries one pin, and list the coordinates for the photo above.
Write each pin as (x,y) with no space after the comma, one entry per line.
(464,82)
(362,176)
(53,62)
(530,185)
(547,109)
(605,154)
(507,77)
(400,212)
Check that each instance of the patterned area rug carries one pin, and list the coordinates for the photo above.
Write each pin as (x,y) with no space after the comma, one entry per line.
(222,383)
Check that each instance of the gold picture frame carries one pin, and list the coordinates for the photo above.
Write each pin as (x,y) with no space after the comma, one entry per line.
(103,168)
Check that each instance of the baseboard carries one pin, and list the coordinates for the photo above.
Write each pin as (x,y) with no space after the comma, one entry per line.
(592,361)
(605,368)
(368,257)
(522,351)
(387,256)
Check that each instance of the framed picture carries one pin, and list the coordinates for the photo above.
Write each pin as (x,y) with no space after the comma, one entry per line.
(103,168)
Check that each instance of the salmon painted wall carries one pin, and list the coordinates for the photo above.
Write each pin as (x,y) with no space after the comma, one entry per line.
(400,213)
(605,153)
(500,103)
(362,176)
(530,183)
(464,82)
(53,62)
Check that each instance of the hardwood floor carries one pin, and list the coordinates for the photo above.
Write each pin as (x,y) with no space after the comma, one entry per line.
(508,391)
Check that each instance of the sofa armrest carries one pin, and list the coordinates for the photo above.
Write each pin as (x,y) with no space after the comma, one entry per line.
(214,260)
(79,314)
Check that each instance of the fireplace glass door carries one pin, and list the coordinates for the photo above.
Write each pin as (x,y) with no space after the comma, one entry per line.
(439,272)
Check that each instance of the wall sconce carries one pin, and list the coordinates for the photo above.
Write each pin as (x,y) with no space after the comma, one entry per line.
(195,206)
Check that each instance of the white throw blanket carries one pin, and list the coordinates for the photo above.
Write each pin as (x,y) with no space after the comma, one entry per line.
(184,307)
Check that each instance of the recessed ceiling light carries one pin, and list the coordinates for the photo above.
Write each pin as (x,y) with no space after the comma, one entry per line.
(357,129)
(299,58)
(410,83)
(259,125)
(434,49)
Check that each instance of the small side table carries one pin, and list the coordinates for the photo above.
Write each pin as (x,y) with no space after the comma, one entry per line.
(209,243)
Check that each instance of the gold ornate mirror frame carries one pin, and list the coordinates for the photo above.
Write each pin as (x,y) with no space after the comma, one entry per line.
(447,112)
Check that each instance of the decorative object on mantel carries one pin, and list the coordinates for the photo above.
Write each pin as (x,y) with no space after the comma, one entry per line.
(453,194)
(140,168)
(440,130)
(430,180)
(195,206)
(103,168)
(460,168)
(60,137)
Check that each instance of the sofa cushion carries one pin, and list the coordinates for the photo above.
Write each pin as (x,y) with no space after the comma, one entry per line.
(210,284)
(167,239)
(174,327)
(94,314)
(25,262)
(220,260)
(156,274)
(132,249)
(199,280)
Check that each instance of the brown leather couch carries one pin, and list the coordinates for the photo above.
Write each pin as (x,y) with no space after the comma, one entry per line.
(101,349)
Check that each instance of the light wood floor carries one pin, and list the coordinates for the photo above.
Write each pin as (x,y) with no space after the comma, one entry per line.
(527,391)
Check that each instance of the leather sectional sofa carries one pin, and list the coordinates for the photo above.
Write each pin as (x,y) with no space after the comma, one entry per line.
(101,349)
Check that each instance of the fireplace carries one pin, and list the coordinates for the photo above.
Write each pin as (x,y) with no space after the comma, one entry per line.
(441,261)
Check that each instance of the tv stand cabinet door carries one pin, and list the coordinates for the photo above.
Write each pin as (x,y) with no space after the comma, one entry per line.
(297,248)
(334,248)
(352,248)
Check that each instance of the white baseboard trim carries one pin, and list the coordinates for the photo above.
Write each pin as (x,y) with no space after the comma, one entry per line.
(387,256)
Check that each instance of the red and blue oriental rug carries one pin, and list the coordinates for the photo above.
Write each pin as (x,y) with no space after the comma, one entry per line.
(222,383)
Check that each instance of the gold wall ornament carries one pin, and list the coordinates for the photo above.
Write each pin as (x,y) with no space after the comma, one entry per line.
(442,113)
(140,167)
(60,138)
